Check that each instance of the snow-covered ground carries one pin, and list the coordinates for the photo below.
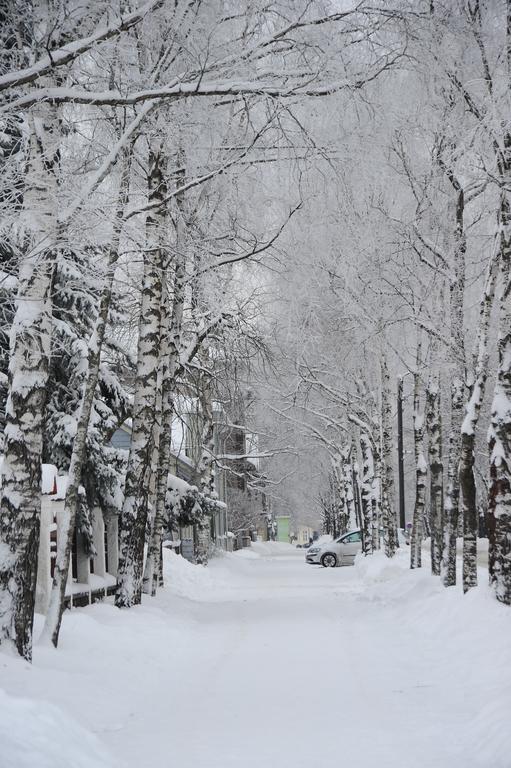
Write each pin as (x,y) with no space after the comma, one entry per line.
(261,660)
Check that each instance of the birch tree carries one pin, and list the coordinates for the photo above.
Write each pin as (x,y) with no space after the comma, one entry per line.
(388,512)
(420,471)
(468,432)
(349,490)
(366,492)
(133,518)
(78,457)
(28,374)
(500,431)
(436,469)
(458,377)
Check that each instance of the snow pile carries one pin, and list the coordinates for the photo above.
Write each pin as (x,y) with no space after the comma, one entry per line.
(262,549)
(473,631)
(37,733)
(465,638)
(186,579)
(271,548)
(377,568)
(247,553)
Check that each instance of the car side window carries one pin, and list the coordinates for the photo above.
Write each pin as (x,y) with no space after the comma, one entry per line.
(353,537)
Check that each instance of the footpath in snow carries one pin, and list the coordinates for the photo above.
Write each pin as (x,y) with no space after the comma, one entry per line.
(259,661)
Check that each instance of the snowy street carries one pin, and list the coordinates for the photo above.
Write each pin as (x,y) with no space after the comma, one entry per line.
(261,660)
(255,297)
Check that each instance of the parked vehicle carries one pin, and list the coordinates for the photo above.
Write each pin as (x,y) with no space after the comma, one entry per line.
(331,554)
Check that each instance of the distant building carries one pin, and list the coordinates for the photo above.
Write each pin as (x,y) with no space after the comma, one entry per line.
(301,534)
(185,455)
(283,528)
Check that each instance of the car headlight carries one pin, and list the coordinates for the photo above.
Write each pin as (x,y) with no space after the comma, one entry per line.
(313,551)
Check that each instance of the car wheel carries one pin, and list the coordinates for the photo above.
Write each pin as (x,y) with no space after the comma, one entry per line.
(329,560)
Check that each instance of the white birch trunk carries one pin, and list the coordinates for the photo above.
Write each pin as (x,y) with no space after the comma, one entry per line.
(344,519)
(349,494)
(421,471)
(137,486)
(170,369)
(366,491)
(499,512)
(388,514)
(376,505)
(150,577)
(20,506)
(436,468)
(356,492)
(152,564)
(468,432)
(205,466)
(457,355)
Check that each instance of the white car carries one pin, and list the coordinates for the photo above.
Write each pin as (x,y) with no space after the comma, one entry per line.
(341,551)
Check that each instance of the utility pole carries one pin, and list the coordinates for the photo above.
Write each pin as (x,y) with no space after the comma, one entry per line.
(400,453)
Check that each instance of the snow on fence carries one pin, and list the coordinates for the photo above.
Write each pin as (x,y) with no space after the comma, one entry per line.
(90,576)
(95,576)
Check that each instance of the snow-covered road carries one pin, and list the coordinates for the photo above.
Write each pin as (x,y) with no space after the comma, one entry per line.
(261,660)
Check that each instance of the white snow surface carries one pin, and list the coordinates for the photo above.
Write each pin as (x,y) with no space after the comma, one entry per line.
(262,660)
(33,735)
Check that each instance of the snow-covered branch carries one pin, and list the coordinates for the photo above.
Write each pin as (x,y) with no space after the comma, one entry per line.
(69,52)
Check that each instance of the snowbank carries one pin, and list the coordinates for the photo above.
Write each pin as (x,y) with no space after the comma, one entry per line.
(247,553)
(377,568)
(37,733)
(468,635)
(197,582)
(262,549)
(185,579)
(269,548)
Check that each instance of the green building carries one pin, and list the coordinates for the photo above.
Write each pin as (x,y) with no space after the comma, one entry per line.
(283,528)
